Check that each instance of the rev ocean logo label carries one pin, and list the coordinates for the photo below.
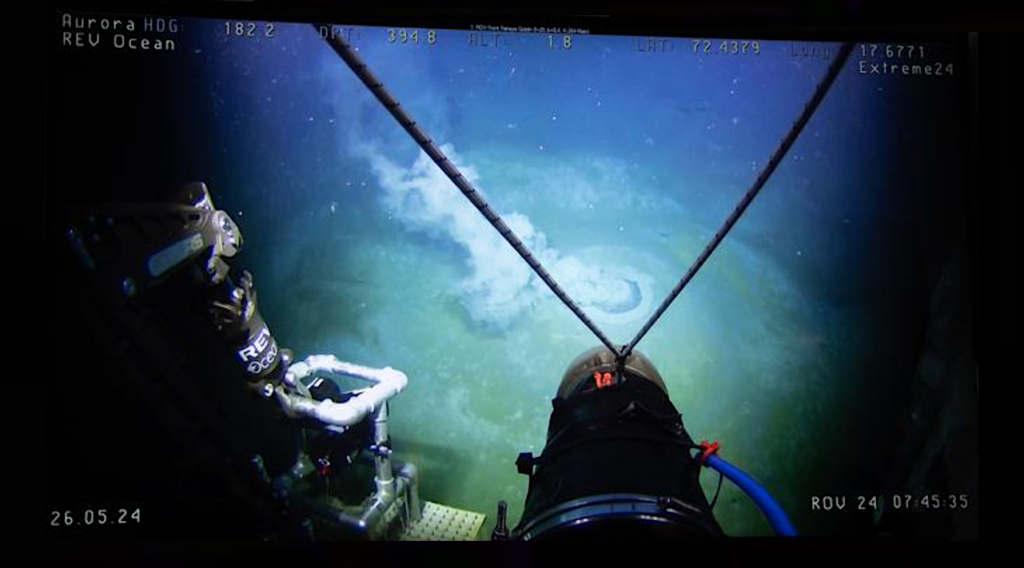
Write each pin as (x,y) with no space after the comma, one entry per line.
(120,33)
(261,354)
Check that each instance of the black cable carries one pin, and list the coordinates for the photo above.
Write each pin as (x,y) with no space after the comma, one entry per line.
(711,507)
(357,65)
(762,178)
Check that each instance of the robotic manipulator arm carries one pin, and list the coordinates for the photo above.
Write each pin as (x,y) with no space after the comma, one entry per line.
(131,248)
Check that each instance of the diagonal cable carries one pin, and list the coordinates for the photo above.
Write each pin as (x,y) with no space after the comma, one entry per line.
(762,178)
(342,48)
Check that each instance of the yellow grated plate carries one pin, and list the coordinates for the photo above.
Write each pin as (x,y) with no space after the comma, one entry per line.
(445,523)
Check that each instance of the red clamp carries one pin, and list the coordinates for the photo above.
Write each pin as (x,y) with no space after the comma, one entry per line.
(323,467)
(710,449)
(602,381)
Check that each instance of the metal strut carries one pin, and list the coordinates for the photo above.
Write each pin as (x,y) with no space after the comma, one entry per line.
(357,65)
(773,162)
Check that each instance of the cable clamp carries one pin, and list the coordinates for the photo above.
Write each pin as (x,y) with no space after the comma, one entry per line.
(710,449)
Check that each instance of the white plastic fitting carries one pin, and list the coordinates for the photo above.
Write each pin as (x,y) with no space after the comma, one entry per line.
(389,382)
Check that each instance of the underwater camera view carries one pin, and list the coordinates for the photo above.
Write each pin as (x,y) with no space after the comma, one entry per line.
(825,344)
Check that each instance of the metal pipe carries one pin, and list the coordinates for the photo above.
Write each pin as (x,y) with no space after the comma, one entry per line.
(411,475)
(389,382)
(372,514)
(323,510)
(365,522)
(384,478)
(380,503)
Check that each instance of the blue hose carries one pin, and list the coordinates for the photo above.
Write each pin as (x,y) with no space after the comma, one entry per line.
(771,509)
